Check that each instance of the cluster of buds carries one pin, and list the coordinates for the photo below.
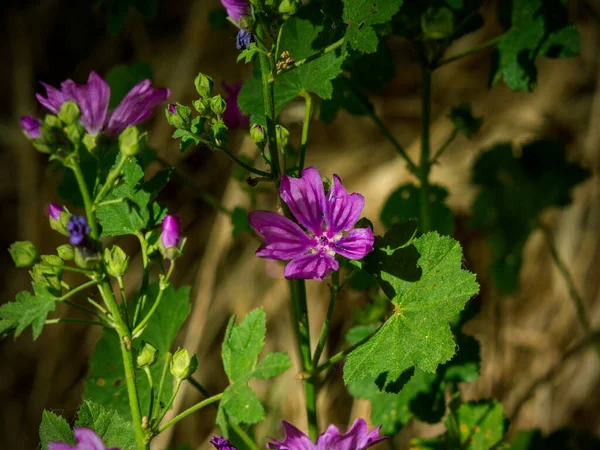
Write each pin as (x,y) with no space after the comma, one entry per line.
(285,61)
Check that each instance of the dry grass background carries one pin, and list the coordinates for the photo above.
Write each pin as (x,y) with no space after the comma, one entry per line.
(522,336)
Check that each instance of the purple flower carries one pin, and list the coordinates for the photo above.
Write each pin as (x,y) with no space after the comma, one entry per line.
(356,438)
(220,443)
(236,9)
(233,116)
(86,440)
(78,229)
(93,99)
(31,127)
(171,235)
(328,219)
(54,211)
(244,39)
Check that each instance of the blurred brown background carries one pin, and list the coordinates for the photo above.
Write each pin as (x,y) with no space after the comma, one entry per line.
(522,336)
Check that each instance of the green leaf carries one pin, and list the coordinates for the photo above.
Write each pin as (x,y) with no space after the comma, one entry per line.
(55,429)
(558,440)
(248,53)
(464,121)
(243,344)
(418,333)
(361,15)
(533,28)
(239,220)
(108,424)
(514,193)
(131,211)
(242,405)
(106,383)
(272,365)
(122,77)
(28,309)
(297,37)
(404,203)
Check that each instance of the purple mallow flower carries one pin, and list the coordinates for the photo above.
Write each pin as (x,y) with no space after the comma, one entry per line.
(86,440)
(236,9)
(357,438)
(93,99)
(328,219)
(54,211)
(233,116)
(244,39)
(171,234)
(31,127)
(78,229)
(220,443)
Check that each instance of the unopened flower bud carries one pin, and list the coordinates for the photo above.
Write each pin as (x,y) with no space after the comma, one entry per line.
(183,365)
(69,113)
(204,85)
(288,8)
(41,146)
(58,218)
(78,229)
(116,261)
(75,133)
(283,136)
(147,355)
(91,142)
(23,253)
(66,252)
(131,141)
(218,105)
(86,258)
(179,116)
(437,23)
(53,261)
(202,106)
(52,121)
(257,134)
(31,127)
(170,238)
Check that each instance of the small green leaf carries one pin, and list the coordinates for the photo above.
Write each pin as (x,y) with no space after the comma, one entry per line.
(242,405)
(28,309)
(248,53)
(108,424)
(55,429)
(272,365)
(243,345)
(361,15)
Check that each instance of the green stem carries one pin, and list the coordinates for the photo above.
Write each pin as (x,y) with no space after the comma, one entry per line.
(444,146)
(335,289)
(424,167)
(87,200)
(78,289)
(163,377)
(163,285)
(483,46)
(87,310)
(139,307)
(97,305)
(67,320)
(239,162)
(110,179)
(341,355)
(316,55)
(187,412)
(124,305)
(305,128)
(78,270)
(169,403)
(573,292)
(151,383)
(384,130)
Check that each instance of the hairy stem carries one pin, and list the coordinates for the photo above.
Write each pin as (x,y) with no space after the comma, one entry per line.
(164,284)
(110,179)
(316,55)
(483,46)
(335,289)
(139,307)
(305,129)
(87,200)
(187,412)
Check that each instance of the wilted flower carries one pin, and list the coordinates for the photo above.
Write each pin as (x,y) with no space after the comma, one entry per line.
(356,438)
(86,440)
(328,220)
(233,116)
(78,230)
(31,127)
(220,443)
(236,9)
(244,39)
(93,99)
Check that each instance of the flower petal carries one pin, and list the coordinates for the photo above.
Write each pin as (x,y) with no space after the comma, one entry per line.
(356,244)
(88,440)
(53,100)
(294,440)
(31,127)
(59,446)
(283,238)
(92,98)
(313,266)
(136,106)
(233,116)
(236,9)
(328,439)
(305,197)
(343,209)
(357,437)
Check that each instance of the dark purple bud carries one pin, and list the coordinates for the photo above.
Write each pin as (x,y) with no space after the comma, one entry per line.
(171,235)
(172,108)
(31,127)
(220,443)
(244,39)
(78,229)
(54,211)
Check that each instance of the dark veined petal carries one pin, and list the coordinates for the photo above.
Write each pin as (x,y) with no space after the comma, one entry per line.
(283,238)
(343,209)
(236,8)
(314,266)
(294,440)
(356,245)
(305,197)
(53,100)
(136,106)
(92,98)
(356,438)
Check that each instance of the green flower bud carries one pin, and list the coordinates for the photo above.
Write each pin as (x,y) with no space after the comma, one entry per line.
(218,132)
(53,261)
(437,23)
(204,85)
(86,258)
(66,252)
(47,276)
(131,141)
(60,225)
(91,142)
(202,106)
(257,134)
(147,355)
(183,365)
(52,121)
(41,146)
(179,116)
(283,136)
(116,261)
(23,253)
(69,113)
(218,105)
(75,133)
(288,8)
